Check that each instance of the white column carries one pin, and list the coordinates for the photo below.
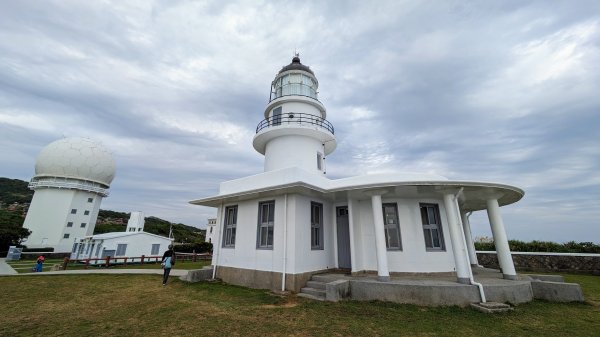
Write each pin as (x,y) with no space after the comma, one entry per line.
(500,240)
(383,273)
(353,261)
(460,255)
(469,239)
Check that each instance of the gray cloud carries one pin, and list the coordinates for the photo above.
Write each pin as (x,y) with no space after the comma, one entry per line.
(470,90)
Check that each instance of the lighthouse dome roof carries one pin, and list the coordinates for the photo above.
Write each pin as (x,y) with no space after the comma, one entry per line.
(79,158)
(296,65)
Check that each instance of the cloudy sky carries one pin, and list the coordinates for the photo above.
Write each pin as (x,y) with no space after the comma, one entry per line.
(505,91)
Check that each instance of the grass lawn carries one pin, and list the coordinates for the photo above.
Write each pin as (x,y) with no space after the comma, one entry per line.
(25,266)
(138,305)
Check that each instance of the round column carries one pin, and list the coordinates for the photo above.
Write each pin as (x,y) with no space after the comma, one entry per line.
(383,273)
(500,240)
(460,255)
(469,239)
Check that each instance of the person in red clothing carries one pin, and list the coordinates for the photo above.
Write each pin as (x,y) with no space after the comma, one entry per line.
(168,261)
(40,263)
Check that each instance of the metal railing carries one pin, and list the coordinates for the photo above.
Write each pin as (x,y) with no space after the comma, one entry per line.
(295,118)
(68,184)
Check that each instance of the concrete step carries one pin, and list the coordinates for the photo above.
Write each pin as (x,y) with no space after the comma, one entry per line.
(313,292)
(315,285)
(491,307)
(312,297)
(325,278)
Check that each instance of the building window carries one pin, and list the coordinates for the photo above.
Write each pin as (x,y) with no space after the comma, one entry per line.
(432,227)
(121,249)
(210,230)
(66,236)
(74,211)
(319,161)
(316,225)
(230,226)
(82,225)
(86,213)
(155,249)
(392,227)
(98,249)
(266,217)
(70,224)
(74,248)
(90,199)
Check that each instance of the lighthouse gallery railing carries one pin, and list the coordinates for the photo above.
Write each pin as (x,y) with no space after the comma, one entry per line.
(296,119)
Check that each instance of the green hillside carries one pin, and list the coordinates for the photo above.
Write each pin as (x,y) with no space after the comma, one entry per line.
(15,197)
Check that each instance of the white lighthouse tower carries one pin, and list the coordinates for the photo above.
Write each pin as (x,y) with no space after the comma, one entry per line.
(72,175)
(295,132)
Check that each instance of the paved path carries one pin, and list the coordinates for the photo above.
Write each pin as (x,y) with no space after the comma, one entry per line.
(6,269)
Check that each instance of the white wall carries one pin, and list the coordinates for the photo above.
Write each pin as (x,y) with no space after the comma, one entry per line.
(137,245)
(305,258)
(245,254)
(296,107)
(293,151)
(414,257)
(300,256)
(50,211)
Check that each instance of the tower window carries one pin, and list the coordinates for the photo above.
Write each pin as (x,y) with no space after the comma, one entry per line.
(66,236)
(90,199)
(70,224)
(86,213)
(277,116)
(83,225)
(74,211)
(319,161)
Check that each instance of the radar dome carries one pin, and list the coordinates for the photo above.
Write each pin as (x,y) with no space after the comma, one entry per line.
(78,158)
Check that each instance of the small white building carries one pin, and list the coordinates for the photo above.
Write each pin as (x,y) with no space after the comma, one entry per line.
(72,175)
(277,228)
(210,230)
(133,243)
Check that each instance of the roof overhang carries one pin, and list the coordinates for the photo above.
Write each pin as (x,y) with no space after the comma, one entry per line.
(472,196)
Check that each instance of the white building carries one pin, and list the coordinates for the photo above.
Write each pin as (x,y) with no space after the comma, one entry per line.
(133,243)
(278,228)
(72,175)
(210,230)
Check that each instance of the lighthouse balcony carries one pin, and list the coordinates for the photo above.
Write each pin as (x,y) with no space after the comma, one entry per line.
(291,119)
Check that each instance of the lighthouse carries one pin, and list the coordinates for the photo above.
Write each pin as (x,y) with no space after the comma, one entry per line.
(295,131)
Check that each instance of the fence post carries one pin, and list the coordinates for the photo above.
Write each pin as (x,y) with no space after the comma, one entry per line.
(65,263)
(125,262)
(194,259)
(87,263)
(107,261)
(142,259)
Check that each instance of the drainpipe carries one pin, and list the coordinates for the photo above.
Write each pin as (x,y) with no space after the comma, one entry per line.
(471,278)
(218,250)
(284,242)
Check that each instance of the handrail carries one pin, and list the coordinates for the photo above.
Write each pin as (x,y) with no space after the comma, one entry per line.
(295,118)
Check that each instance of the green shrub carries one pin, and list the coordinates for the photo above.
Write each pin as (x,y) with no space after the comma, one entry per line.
(543,246)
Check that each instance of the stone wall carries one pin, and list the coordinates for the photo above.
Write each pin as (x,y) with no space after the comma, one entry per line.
(546,262)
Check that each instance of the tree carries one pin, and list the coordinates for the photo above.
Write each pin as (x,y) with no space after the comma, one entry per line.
(12,232)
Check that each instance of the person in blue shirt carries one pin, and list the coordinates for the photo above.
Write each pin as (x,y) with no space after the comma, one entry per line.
(168,261)
(39,263)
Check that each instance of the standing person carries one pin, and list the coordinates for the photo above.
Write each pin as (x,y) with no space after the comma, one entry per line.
(168,261)
(40,263)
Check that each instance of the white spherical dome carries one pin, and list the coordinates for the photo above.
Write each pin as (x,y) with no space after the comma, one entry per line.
(79,158)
